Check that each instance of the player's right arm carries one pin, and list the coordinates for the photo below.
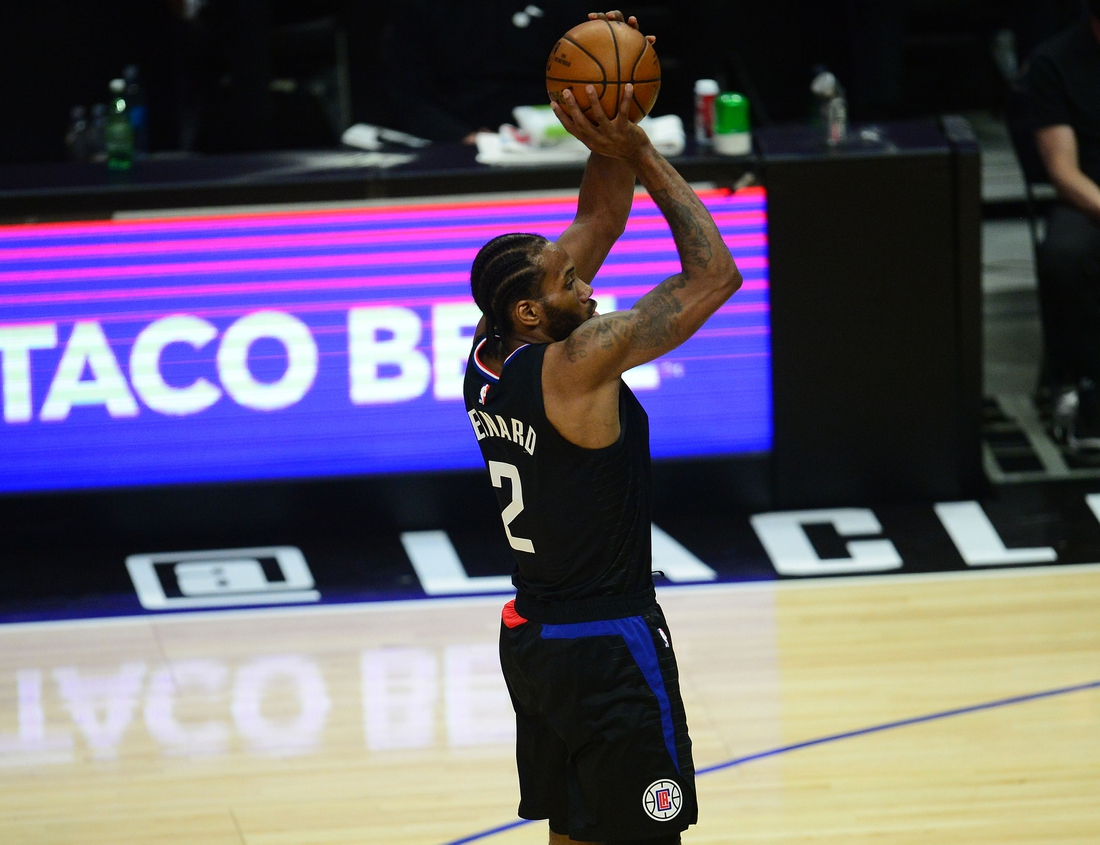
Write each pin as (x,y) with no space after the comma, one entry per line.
(603,348)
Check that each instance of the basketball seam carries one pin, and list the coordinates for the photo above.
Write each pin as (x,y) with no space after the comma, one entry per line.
(598,81)
(638,61)
(618,70)
(585,81)
(593,58)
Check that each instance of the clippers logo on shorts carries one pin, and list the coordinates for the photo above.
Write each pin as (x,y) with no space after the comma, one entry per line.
(662,800)
(222,578)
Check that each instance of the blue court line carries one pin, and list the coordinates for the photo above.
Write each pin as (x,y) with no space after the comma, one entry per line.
(487,833)
(886,726)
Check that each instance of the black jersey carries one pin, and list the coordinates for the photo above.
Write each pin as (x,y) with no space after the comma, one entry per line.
(578,520)
(1062,79)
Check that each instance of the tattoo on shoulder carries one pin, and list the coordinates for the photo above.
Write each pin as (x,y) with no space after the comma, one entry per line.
(575,347)
(603,333)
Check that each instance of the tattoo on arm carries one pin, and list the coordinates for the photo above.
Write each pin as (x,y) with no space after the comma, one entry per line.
(674,309)
(605,333)
(652,322)
(656,320)
(575,345)
(687,230)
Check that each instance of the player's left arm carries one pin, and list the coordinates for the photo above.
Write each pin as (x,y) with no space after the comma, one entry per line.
(607,192)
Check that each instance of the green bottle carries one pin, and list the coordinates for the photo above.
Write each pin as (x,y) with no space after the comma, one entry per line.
(731,125)
(119,135)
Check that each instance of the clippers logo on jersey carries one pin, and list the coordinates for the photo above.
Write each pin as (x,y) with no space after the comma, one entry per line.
(484,393)
(662,800)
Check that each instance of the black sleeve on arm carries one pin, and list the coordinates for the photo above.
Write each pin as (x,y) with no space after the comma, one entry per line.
(411,76)
(1049,98)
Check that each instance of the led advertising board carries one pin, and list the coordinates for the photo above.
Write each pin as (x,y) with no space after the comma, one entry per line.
(321,343)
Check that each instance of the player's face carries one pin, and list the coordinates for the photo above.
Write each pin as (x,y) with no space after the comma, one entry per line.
(566,299)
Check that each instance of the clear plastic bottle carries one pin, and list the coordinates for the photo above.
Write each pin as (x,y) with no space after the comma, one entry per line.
(834,107)
(76,136)
(836,120)
(118,134)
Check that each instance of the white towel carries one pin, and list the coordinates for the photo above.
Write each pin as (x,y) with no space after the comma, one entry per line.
(367,136)
(511,146)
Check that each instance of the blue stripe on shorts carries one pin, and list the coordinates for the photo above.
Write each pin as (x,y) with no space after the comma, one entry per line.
(639,641)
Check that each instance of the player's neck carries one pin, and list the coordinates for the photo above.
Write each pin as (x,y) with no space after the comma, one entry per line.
(513,342)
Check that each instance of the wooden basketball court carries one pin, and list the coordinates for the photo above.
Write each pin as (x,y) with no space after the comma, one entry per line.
(389,723)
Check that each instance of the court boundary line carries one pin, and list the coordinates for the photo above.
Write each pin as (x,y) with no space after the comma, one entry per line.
(490,599)
(810,743)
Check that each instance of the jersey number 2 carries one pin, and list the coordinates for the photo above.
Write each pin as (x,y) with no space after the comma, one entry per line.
(498,471)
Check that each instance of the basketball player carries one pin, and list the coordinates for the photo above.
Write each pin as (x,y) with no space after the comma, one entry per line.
(602,744)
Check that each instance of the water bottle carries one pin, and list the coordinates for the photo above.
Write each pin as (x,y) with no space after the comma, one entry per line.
(139,113)
(76,136)
(834,107)
(118,135)
(706,92)
(836,121)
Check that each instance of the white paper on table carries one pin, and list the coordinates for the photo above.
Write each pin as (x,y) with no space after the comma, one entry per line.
(511,146)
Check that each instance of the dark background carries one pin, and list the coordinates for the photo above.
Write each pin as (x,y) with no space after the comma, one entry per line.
(207,79)
(898,59)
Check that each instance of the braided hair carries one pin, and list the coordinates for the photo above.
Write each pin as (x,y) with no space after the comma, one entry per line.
(505,270)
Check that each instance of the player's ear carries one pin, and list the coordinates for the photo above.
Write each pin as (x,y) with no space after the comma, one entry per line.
(527,314)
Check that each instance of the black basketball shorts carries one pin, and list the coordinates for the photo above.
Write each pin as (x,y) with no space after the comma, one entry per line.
(601,738)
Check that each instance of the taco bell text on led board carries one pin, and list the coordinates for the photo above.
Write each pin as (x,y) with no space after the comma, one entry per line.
(321,343)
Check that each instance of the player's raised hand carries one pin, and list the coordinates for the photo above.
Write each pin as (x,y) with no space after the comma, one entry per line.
(616,15)
(618,138)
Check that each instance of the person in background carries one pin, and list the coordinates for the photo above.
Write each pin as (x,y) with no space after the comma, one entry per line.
(1063,81)
(454,68)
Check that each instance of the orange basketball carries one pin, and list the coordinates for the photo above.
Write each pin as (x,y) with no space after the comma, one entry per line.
(607,55)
